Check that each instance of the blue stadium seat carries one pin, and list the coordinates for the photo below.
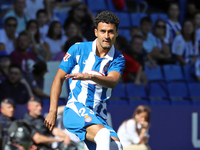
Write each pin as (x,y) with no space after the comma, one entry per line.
(156,16)
(188,71)
(136,17)
(97,5)
(124,18)
(118,102)
(194,92)
(125,33)
(173,73)
(159,102)
(178,93)
(112,7)
(136,92)
(119,91)
(157,90)
(139,102)
(154,74)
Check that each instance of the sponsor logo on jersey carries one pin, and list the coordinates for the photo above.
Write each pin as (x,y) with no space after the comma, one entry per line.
(67,55)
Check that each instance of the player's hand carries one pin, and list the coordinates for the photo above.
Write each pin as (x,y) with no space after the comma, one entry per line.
(78,76)
(50,120)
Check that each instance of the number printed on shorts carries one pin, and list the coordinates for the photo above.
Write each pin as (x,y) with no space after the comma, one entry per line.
(82,112)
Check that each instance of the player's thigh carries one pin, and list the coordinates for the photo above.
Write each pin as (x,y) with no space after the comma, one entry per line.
(77,117)
(92,131)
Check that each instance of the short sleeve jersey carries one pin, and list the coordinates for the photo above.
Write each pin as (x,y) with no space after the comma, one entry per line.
(184,49)
(81,57)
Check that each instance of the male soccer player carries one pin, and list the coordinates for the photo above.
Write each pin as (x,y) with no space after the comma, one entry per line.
(93,69)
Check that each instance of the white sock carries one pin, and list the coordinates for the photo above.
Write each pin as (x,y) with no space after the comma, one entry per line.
(116,145)
(102,139)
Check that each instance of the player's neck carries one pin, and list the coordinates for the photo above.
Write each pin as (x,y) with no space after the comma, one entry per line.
(101,52)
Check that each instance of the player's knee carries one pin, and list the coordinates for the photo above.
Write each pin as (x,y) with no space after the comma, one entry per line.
(102,135)
(116,145)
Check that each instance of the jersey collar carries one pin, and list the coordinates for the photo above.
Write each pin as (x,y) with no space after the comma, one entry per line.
(110,53)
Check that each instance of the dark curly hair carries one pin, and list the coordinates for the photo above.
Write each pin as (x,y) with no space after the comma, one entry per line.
(106,17)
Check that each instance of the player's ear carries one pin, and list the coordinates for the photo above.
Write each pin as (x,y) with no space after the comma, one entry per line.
(95,32)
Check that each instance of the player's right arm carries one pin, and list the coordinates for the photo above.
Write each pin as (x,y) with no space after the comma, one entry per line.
(54,97)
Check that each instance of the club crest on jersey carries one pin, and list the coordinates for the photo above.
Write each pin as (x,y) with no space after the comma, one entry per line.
(67,55)
(88,118)
(105,68)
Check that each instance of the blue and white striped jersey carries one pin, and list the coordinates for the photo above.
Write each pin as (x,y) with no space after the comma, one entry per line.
(81,57)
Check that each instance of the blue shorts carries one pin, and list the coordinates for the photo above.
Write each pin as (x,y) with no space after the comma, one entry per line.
(77,116)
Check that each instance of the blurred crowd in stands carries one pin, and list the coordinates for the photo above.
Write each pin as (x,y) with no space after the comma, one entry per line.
(35,32)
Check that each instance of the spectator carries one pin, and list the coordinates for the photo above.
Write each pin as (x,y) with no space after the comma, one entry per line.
(13,88)
(185,45)
(38,46)
(72,29)
(66,6)
(35,121)
(191,10)
(6,118)
(8,34)
(149,42)
(49,8)
(133,133)
(173,25)
(18,13)
(36,79)
(84,17)
(54,38)
(159,31)
(135,30)
(42,20)
(137,53)
(67,45)
(32,6)
(21,55)
(4,65)
(132,69)
(197,24)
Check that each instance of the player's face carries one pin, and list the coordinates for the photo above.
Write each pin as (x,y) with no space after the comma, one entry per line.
(7,110)
(106,35)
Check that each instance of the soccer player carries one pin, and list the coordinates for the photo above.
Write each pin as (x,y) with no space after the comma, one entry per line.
(93,69)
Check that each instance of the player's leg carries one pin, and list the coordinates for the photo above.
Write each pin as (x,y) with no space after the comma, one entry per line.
(100,135)
(115,144)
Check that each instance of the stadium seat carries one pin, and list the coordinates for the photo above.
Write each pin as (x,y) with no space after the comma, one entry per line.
(125,33)
(124,18)
(159,102)
(194,92)
(97,5)
(112,7)
(154,74)
(118,102)
(136,17)
(136,92)
(188,71)
(156,16)
(52,67)
(173,73)
(178,93)
(119,92)
(178,90)
(157,90)
(139,102)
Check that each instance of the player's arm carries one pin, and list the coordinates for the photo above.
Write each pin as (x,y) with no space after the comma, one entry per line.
(57,132)
(109,81)
(55,93)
